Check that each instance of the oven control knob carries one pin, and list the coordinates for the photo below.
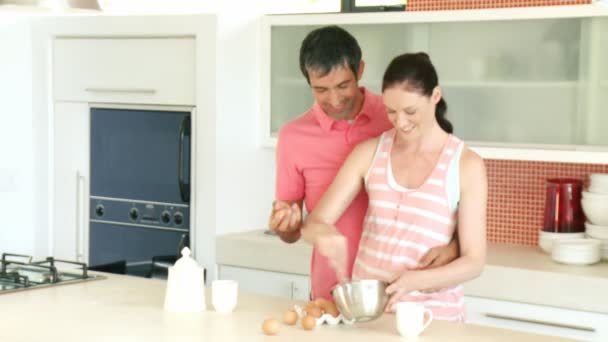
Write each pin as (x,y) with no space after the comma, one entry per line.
(178,218)
(165,217)
(133,214)
(100,210)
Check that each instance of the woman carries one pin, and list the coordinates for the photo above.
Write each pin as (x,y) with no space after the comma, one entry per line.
(421,180)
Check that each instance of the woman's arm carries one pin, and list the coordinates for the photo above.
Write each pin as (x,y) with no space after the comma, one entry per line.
(471,235)
(319,228)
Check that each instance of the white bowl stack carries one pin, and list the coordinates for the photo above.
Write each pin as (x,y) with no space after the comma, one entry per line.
(595,207)
(576,251)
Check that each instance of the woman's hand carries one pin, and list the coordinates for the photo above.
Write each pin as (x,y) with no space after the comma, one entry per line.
(397,289)
(332,245)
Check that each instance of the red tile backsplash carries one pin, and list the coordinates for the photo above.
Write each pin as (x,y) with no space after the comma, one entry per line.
(516,196)
(440,5)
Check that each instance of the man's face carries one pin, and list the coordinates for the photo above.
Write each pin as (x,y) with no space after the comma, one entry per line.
(337,92)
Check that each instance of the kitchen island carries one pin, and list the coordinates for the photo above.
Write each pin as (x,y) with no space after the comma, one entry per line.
(122,308)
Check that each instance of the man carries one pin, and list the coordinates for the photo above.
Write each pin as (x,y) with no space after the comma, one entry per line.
(312,148)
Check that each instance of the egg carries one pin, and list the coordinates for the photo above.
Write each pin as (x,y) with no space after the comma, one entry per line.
(308,322)
(290,317)
(313,310)
(270,326)
(327,306)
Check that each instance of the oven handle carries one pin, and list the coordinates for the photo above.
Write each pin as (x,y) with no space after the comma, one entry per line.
(184,188)
(121,90)
(80,217)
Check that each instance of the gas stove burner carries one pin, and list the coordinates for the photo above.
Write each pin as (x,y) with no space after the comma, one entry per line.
(19,272)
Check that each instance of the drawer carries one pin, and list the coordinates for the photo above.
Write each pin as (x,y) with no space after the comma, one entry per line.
(292,286)
(125,70)
(537,319)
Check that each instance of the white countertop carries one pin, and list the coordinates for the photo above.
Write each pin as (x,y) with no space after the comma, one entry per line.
(122,308)
(515,273)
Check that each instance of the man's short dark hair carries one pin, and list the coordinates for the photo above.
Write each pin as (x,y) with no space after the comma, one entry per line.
(329,47)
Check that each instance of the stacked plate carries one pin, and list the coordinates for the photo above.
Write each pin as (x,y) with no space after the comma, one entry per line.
(545,239)
(599,233)
(576,251)
(595,207)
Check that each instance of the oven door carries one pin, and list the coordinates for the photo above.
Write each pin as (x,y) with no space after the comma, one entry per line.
(140,185)
(140,155)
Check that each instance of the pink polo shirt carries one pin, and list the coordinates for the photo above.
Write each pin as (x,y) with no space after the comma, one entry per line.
(310,151)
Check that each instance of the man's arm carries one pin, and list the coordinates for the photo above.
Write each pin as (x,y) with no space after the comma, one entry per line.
(286,215)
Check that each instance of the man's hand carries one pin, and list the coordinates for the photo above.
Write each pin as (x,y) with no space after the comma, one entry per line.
(285,218)
(440,255)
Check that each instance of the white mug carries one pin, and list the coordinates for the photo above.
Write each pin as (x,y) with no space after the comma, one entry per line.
(224,295)
(411,318)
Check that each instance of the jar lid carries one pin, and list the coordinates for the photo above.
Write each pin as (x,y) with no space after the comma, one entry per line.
(186,263)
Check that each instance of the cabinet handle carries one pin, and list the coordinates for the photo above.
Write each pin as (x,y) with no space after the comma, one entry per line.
(121,90)
(540,322)
(80,218)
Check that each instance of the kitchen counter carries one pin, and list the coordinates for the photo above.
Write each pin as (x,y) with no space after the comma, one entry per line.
(514,273)
(122,308)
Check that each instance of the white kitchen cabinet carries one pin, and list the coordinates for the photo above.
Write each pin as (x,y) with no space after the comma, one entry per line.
(125,70)
(504,73)
(537,319)
(293,286)
(70,186)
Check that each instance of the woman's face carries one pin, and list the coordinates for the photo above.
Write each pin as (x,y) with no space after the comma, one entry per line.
(411,113)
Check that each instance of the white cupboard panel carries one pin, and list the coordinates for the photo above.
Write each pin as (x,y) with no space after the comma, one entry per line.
(277,284)
(125,70)
(70,181)
(537,319)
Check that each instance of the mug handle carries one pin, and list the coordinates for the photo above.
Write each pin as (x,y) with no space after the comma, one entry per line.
(428,320)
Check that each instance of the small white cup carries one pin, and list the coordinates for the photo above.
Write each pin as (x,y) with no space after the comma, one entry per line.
(410,318)
(224,295)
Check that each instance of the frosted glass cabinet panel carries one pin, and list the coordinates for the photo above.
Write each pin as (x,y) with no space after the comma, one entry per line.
(507,79)
(534,81)
(598,119)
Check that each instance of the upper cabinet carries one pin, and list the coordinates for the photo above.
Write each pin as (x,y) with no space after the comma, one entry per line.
(125,70)
(512,78)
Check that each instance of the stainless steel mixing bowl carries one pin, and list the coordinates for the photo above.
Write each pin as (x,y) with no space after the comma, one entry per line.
(360,300)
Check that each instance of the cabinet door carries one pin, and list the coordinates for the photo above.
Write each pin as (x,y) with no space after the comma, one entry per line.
(125,70)
(537,319)
(293,286)
(70,180)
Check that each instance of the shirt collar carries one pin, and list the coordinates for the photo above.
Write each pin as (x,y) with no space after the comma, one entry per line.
(327,122)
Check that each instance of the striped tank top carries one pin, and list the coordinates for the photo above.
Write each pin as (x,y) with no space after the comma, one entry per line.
(402,224)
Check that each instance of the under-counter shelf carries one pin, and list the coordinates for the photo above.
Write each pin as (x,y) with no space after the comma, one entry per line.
(511,84)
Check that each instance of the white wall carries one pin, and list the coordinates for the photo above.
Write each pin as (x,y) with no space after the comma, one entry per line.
(245,171)
(16,137)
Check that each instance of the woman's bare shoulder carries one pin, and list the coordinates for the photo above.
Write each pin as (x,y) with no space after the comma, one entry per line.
(368,145)
(471,164)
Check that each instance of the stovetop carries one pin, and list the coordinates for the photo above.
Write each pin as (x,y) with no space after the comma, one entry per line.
(18,272)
